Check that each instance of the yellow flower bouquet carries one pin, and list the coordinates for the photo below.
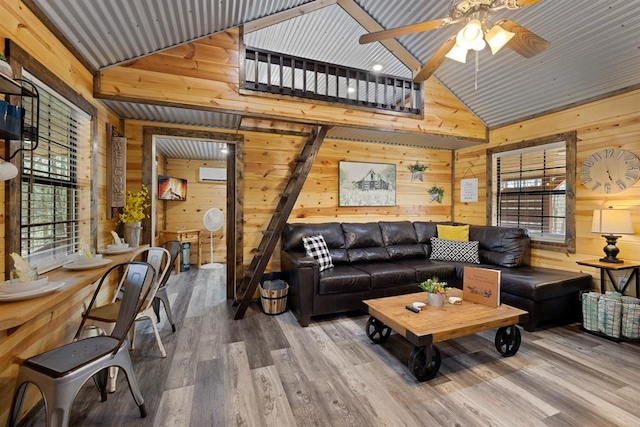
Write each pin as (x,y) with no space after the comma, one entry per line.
(135,205)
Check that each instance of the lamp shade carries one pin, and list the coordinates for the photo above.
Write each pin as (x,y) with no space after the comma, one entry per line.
(497,37)
(471,35)
(611,221)
(457,53)
(8,171)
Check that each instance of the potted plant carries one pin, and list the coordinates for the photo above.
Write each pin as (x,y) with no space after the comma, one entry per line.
(416,171)
(436,290)
(437,193)
(132,213)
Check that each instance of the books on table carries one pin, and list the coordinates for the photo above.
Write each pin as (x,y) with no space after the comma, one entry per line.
(481,285)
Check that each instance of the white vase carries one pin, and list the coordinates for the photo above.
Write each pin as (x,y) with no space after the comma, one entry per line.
(436,300)
(132,234)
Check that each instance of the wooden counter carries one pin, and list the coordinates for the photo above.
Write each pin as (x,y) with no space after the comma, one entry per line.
(14,314)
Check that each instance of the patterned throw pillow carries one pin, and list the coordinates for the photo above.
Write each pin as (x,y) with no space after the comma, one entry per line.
(316,247)
(454,251)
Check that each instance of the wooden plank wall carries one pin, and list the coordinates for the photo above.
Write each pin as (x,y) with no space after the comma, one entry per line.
(201,196)
(204,74)
(56,327)
(609,122)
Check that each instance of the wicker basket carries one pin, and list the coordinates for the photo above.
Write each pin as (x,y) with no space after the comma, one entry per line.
(273,295)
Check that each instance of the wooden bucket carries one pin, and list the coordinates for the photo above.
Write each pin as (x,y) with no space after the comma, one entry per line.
(273,295)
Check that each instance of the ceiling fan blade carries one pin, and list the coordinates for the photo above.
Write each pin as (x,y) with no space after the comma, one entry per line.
(403,31)
(523,3)
(524,42)
(435,61)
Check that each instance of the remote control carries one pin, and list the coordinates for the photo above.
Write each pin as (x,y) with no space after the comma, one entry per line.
(412,308)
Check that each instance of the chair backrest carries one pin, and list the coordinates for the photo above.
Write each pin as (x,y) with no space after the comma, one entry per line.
(173,246)
(138,280)
(159,258)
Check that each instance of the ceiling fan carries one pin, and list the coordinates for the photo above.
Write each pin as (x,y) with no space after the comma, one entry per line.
(478,30)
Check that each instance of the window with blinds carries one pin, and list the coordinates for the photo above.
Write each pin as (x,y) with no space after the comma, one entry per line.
(49,207)
(531,186)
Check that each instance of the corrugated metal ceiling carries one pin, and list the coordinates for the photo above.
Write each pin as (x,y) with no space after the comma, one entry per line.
(190,149)
(594,44)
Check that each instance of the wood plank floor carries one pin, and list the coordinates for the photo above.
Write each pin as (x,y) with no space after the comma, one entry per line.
(268,371)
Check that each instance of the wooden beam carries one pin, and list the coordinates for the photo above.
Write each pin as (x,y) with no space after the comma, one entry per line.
(276,18)
(364,19)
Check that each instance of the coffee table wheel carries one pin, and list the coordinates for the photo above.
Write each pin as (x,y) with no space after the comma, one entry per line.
(508,340)
(377,331)
(422,369)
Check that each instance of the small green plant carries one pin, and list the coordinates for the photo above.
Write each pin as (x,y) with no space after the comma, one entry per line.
(134,208)
(434,286)
(417,167)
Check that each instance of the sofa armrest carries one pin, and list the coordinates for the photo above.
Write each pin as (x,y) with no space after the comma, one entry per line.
(303,276)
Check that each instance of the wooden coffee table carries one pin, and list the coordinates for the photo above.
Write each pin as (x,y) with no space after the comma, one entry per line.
(432,325)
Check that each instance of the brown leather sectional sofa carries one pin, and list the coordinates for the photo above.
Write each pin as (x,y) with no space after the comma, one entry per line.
(389,258)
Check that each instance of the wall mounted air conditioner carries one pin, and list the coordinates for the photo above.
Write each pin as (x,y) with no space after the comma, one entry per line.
(213,174)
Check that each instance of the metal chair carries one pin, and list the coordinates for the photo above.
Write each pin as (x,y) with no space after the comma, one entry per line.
(60,373)
(173,246)
(105,316)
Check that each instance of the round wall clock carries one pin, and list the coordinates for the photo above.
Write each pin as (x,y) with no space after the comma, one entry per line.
(610,170)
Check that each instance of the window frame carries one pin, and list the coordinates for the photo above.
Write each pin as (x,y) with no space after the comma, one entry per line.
(570,140)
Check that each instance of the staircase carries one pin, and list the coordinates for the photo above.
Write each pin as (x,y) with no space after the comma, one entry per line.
(272,233)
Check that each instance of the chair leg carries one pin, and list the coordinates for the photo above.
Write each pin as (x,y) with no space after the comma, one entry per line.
(156,306)
(167,307)
(100,379)
(131,335)
(16,405)
(157,334)
(124,361)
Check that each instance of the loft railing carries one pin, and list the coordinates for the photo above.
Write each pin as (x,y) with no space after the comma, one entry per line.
(277,73)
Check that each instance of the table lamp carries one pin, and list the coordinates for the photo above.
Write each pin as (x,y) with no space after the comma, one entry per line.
(609,222)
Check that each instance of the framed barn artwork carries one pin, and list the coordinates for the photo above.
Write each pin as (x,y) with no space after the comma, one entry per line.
(367,184)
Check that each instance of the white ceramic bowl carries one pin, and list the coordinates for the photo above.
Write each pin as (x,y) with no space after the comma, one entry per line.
(15,286)
(82,260)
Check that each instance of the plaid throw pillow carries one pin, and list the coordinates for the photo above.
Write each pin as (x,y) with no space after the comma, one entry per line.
(454,251)
(316,247)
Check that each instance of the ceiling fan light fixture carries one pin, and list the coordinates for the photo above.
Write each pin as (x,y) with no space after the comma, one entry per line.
(497,37)
(470,34)
(457,53)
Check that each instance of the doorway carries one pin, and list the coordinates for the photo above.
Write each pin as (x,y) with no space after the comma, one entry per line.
(234,165)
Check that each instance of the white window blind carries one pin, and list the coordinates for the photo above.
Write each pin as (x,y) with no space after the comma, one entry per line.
(49,215)
(531,190)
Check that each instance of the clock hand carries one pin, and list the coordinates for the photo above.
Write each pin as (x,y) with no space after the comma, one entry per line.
(609,175)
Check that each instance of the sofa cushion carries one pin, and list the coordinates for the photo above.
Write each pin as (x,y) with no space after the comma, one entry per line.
(406,251)
(293,233)
(426,269)
(538,283)
(451,250)
(368,254)
(387,275)
(398,233)
(316,248)
(362,235)
(503,246)
(426,230)
(459,233)
(343,278)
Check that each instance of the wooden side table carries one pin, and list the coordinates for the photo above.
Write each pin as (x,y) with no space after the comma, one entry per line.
(184,236)
(608,267)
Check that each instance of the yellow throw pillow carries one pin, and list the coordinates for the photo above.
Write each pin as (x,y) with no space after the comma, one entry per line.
(459,233)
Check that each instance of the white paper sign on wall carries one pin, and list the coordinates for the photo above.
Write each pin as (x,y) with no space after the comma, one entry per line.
(469,190)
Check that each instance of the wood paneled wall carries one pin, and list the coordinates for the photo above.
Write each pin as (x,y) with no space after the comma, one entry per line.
(56,327)
(204,74)
(201,196)
(609,122)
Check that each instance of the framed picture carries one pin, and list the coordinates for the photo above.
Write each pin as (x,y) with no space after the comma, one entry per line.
(367,184)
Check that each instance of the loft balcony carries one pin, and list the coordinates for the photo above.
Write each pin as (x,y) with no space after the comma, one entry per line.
(280,74)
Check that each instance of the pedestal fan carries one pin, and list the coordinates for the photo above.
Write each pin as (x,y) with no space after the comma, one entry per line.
(212,220)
